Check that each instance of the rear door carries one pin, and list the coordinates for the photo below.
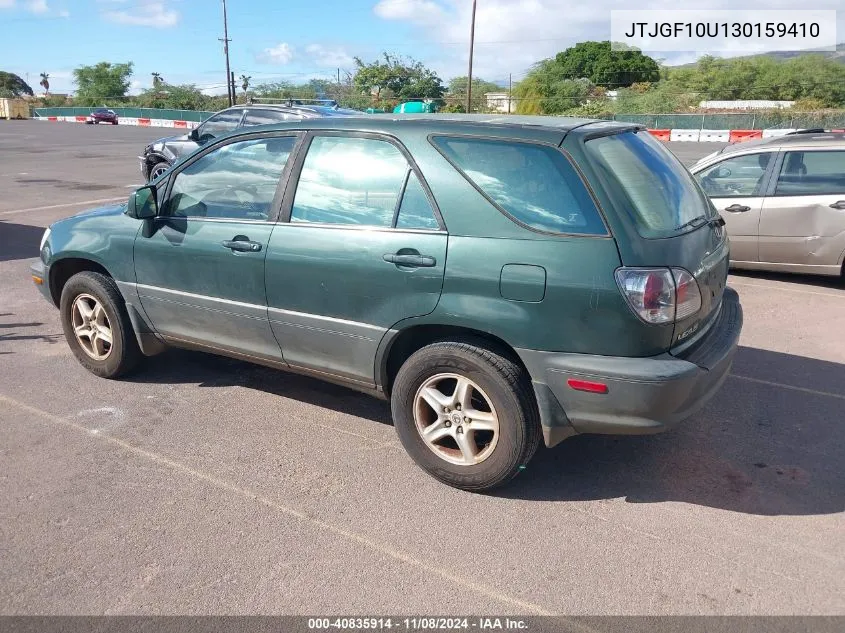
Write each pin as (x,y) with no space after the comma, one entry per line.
(736,186)
(803,218)
(363,249)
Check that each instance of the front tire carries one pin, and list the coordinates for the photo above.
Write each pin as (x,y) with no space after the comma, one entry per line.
(97,326)
(157,169)
(466,415)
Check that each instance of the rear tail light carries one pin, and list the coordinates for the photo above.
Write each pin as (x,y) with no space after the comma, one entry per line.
(660,295)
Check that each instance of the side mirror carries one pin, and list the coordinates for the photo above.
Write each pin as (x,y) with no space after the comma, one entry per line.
(143,204)
(194,134)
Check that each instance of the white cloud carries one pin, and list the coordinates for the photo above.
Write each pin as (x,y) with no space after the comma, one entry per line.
(7,4)
(280,54)
(146,13)
(37,6)
(325,56)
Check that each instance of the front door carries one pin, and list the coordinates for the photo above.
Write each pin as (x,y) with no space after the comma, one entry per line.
(803,220)
(200,265)
(735,185)
(363,250)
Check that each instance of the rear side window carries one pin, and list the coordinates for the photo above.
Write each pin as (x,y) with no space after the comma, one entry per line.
(811,174)
(265,117)
(662,196)
(535,185)
(346,180)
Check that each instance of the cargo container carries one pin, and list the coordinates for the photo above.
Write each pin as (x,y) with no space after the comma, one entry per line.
(14,109)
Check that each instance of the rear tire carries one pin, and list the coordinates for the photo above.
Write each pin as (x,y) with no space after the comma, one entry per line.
(97,326)
(425,400)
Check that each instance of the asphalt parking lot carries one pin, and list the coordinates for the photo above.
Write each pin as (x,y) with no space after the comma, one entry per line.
(203,485)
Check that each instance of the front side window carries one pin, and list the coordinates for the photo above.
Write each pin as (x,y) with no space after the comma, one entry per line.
(219,124)
(812,174)
(346,180)
(236,181)
(736,177)
(534,184)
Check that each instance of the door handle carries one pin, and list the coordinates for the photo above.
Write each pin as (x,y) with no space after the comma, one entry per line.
(839,204)
(241,246)
(415,261)
(737,208)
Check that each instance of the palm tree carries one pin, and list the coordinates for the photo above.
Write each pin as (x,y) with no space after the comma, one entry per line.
(45,83)
(245,83)
(157,80)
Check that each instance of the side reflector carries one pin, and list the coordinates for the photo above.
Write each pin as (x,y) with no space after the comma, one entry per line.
(587,385)
(38,281)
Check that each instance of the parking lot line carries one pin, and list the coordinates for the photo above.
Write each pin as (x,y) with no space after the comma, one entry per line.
(787,289)
(60,206)
(815,392)
(489,592)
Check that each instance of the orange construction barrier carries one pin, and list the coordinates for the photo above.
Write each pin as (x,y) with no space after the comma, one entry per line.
(661,135)
(180,124)
(144,122)
(738,136)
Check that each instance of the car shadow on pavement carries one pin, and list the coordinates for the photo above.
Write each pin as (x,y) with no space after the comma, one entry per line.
(758,447)
(19,241)
(182,366)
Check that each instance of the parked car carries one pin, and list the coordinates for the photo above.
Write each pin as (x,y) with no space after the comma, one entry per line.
(783,201)
(161,154)
(498,279)
(102,115)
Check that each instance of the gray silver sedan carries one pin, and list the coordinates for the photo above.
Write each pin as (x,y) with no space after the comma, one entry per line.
(783,201)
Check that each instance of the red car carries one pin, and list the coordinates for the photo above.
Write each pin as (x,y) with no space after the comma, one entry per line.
(102,116)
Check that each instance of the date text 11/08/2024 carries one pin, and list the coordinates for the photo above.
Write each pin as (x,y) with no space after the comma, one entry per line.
(418,624)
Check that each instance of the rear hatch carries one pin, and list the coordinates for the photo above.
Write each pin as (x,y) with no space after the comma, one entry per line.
(659,216)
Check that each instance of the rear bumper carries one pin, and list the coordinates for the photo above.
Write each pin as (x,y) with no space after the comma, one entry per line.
(644,395)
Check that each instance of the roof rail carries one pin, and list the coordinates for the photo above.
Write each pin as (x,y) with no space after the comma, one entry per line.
(291,102)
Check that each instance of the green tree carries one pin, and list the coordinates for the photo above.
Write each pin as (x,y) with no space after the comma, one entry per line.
(458,92)
(45,83)
(397,77)
(13,86)
(182,97)
(157,80)
(602,66)
(545,91)
(245,79)
(101,83)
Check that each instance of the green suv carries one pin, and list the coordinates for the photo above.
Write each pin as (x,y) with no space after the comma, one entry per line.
(501,280)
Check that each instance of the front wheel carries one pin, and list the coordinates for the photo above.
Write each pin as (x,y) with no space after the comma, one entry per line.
(465,414)
(158,169)
(96,325)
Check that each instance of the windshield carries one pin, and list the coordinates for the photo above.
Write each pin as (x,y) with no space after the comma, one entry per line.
(662,197)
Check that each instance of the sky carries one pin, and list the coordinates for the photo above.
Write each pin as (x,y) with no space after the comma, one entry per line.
(296,40)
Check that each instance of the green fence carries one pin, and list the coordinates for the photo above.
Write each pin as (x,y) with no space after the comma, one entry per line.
(144,113)
(737,121)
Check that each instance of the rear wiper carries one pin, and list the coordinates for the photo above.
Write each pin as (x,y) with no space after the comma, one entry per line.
(693,222)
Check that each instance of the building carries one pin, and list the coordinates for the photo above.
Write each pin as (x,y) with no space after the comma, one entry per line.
(499,102)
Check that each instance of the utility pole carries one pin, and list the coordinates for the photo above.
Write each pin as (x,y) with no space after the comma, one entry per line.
(510,90)
(471,47)
(226,40)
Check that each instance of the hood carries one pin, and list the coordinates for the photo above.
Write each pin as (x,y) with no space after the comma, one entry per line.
(160,143)
(109,210)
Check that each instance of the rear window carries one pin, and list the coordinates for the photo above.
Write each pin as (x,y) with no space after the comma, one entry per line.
(535,185)
(661,194)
